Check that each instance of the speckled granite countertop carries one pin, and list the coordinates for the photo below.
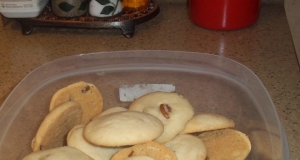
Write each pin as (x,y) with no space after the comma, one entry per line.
(266,48)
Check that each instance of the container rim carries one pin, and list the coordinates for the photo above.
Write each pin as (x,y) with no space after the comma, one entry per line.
(137,56)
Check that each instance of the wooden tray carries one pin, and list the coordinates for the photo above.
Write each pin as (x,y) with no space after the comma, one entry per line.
(125,21)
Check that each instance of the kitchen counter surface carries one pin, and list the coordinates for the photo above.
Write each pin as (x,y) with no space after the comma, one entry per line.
(266,48)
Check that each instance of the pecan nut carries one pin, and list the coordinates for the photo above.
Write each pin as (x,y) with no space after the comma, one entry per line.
(165,110)
(131,154)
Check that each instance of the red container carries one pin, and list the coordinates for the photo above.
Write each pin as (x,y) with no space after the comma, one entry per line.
(224,14)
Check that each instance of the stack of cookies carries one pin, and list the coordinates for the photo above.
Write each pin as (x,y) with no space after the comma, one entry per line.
(156,126)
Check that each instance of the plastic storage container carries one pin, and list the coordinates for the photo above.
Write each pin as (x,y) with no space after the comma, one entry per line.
(211,83)
(22,8)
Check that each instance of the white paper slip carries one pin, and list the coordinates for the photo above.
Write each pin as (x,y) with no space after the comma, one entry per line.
(128,93)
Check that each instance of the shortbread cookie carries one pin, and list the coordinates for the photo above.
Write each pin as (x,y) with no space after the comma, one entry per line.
(56,125)
(187,147)
(123,128)
(226,144)
(152,149)
(171,108)
(111,110)
(265,145)
(260,124)
(86,94)
(60,153)
(139,158)
(206,122)
(75,139)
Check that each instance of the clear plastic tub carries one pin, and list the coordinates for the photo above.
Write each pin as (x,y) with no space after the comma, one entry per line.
(22,8)
(211,83)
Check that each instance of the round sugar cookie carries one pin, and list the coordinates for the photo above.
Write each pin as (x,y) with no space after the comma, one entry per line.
(171,108)
(111,110)
(59,153)
(56,125)
(139,158)
(187,147)
(86,94)
(152,149)
(123,128)
(75,139)
(206,122)
(265,145)
(226,144)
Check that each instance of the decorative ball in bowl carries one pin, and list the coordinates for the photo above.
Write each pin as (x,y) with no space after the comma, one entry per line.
(105,8)
(69,8)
